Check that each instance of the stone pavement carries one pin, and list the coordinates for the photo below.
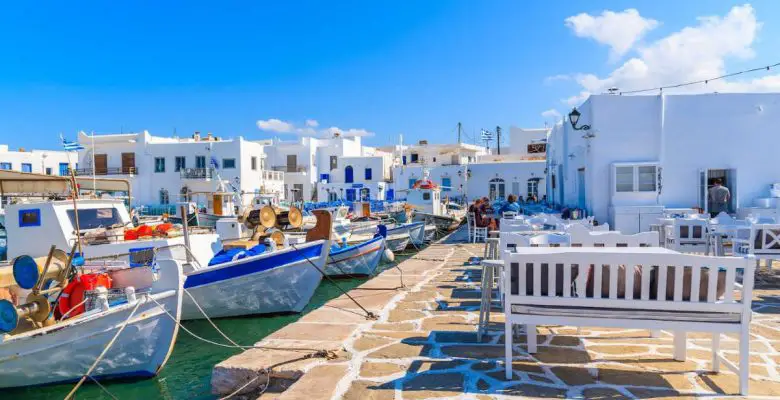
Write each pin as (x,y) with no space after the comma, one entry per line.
(424,345)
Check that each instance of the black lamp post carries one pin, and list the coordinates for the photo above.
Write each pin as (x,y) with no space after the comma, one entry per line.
(574,117)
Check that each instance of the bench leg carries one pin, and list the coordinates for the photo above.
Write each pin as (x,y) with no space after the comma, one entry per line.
(508,349)
(680,345)
(530,334)
(716,352)
(744,361)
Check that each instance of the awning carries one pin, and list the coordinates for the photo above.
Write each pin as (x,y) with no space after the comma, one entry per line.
(14,182)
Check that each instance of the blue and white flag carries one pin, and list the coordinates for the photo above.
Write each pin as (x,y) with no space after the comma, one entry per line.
(70,146)
(213,163)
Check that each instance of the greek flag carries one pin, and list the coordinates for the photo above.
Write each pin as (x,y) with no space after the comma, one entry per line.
(70,146)
(487,135)
(213,163)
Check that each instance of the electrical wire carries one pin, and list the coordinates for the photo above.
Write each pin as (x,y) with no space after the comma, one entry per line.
(705,81)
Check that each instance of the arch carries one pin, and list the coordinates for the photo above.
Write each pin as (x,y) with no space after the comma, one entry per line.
(496,189)
(348,174)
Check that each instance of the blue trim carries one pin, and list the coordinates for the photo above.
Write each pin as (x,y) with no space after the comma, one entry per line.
(32,211)
(355,246)
(251,265)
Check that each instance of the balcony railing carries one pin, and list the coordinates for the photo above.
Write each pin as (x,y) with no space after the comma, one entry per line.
(272,175)
(106,171)
(197,173)
(289,168)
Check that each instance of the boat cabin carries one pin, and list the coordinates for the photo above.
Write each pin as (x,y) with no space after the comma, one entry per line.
(425,196)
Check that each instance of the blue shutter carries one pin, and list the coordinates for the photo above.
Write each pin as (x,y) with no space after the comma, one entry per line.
(26,167)
(348,175)
(64,169)
(446,184)
(368,174)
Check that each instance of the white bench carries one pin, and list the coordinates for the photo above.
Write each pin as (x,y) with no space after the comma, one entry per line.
(759,240)
(581,237)
(687,235)
(564,300)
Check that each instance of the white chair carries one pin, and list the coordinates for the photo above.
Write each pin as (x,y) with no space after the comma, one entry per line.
(687,235)
(759,240)
(475,233)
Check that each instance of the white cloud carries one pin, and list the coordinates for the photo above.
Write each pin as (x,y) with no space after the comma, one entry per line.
(693,53)
(555,78)
(552,114)
(618,30)
(279,126)
(275,125)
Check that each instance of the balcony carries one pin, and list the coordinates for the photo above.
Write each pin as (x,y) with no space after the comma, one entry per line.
(106,171)
(272,175)
(197,173)
(290,168)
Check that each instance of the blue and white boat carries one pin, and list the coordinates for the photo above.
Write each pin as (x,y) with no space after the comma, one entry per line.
(415,231)
(359,259)
(256,281)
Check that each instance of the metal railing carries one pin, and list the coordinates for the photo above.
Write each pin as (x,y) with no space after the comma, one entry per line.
(106,171)
(197,173)
(290,168)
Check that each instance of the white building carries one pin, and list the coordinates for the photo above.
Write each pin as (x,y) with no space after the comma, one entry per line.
(162,169)
(49,162)
(307,161)
(643,153)
(464,170)
(357,178)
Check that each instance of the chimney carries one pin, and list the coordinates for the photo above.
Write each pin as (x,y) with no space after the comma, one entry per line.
(423,142)
(21,149)
(209,137)
(196,136)
(336,134)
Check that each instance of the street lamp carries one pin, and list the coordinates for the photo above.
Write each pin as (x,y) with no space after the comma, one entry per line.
(574,117)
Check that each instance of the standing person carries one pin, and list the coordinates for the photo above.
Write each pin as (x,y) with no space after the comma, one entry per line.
(719,198)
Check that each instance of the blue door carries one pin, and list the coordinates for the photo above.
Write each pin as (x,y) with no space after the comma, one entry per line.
(63,169)
(581,203)
(390,195)
(350,194)
(348,175)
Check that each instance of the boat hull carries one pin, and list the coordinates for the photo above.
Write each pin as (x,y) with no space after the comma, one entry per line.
(357,260)
(64,352)
(279,282)
(398,242)
(443,222)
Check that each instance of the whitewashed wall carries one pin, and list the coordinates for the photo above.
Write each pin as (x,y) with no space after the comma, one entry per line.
(39,160)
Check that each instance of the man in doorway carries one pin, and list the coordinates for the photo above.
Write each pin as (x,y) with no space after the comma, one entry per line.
(719,198)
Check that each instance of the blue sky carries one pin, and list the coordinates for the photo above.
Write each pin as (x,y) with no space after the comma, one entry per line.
(411,67)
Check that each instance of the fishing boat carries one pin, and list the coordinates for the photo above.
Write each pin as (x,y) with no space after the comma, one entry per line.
(359,259)
(429,233)
(425,197)
(136,324)
(414,231)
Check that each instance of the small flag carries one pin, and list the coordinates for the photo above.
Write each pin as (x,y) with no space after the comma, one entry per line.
(214,163)
(487,135)
(70,146)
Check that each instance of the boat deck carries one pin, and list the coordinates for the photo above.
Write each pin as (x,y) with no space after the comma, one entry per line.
(424,345)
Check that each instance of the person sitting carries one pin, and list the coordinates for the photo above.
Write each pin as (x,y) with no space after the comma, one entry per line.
(482,215)
(511,205)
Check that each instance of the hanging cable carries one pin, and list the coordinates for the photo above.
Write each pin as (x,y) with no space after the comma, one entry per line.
(705,81)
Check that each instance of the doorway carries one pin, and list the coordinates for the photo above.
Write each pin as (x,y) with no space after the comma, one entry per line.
(707,179)
(497,189)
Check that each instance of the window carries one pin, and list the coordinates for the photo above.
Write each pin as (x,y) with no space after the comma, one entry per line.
(434,159)
(533,188)
(181,163)
(516,188)
(426,195)
(159,165)
(26,167)
(254,163)
(48,170)
(200,162)
(415,157)
(5,165)
(403,160)
(636,178)
(228,163)
(29,217)
(334,162)
(96,218)
(535,148)
(446,184)
(368,174)
(164,197)
(64,169)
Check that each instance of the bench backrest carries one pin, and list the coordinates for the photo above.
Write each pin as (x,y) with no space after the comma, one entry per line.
(471,220)
(513,240)
(759,240)
(581,236)
(683,282)
(687,234)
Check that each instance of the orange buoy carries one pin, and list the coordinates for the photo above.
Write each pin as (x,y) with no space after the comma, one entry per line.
(73,294)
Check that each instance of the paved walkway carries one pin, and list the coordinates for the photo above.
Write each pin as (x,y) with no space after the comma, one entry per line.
(424,345)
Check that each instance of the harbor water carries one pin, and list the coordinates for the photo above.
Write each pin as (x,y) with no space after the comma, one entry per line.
(187,374)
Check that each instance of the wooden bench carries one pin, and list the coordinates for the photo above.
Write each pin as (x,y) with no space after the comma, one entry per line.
(681,308)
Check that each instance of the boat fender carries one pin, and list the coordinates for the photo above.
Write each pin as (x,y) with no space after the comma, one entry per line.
(388,255)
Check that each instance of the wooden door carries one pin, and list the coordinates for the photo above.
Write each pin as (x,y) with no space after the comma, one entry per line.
(292,163)
(101,164)
(128,163)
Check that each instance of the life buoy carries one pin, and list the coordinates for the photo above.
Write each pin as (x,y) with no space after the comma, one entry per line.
(73,294)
